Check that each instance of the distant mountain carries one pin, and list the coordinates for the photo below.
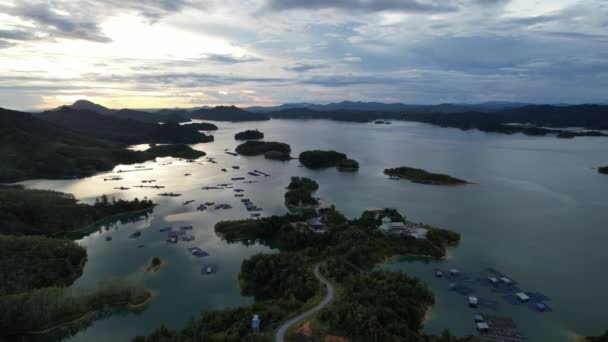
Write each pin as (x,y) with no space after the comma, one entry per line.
(227,113)
(164,115)
(392,107)
(126,131)
(90,106)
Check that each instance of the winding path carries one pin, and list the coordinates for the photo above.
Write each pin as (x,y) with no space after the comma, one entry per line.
(280,334)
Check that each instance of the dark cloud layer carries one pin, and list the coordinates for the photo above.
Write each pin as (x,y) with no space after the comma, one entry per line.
(365,5)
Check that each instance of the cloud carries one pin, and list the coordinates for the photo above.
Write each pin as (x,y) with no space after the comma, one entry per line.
(230,59)
(303,67)
(410,6)
(5,44)
(17,35)
(59,25)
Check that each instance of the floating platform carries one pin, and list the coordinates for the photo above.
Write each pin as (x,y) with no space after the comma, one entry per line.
(169,194)
(500,329)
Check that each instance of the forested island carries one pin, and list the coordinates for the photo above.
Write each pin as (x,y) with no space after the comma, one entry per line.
(318,159)
(277,155)
(249,135)
(35,268)
(299,193)
(603,169)
(202,126)
(423,176)
(31,147)
(176,151)
(283,283)
(256,148)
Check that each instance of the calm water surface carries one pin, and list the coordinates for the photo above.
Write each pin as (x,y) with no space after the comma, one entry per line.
(538,215)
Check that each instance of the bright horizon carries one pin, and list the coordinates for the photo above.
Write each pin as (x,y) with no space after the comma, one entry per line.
(178,53)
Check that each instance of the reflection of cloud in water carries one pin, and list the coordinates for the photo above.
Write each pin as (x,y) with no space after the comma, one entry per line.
(188,216)
(534,189)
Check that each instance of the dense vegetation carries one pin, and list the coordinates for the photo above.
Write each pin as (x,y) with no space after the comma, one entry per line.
(603,169)
(46,307)
(422,176)
(299,192)
(387,306)
(267,276)
(256,148)
(227,113)
(379,306)
(202,126)
(249,135)
(35,270)
(42,212)
(32,262)
(35,148)
(321,159)
(276,155)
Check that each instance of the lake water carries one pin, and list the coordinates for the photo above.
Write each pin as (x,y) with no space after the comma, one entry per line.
(537,214)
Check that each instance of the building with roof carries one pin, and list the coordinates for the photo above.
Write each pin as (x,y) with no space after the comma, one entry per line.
(391,227)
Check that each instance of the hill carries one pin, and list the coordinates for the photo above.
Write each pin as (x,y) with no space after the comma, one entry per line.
(164,115)
(227,113)
(123,130)
(31,147)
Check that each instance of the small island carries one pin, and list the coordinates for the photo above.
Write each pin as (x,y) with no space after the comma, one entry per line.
(155,265)
(249,135)
(175,151)
(202,126)
(318,159)
(277,155)
(423,177)
(256,148)
(603,169)
(348,165)
(299,193)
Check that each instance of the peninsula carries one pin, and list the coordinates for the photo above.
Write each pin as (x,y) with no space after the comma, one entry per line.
(344,252)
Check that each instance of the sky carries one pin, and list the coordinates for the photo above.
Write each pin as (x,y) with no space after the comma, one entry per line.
(188,53)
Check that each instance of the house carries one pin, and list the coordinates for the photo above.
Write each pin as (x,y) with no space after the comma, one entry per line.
(316,224)
(401,228)
(390,227)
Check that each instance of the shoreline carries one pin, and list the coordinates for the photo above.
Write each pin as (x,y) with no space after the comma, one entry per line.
(84,316)
(126,213)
